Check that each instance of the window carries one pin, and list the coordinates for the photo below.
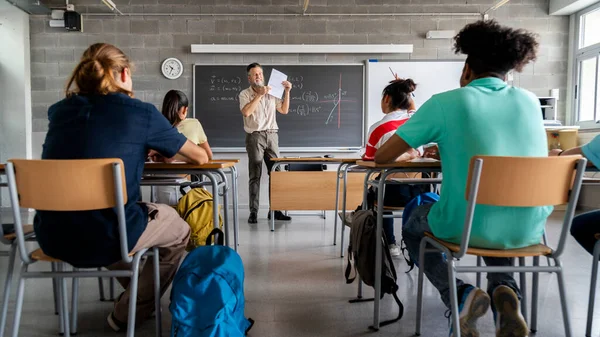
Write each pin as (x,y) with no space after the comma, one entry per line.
(590,28)
(587,71)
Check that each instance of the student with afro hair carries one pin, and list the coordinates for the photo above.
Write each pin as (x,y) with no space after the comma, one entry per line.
(486,116)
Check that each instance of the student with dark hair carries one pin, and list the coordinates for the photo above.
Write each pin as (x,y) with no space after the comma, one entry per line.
(485,116)
(99,118)
(397,106)
(175,108)
(259,110)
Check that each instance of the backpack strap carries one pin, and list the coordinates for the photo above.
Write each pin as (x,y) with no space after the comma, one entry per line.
(408,260)
(388,256)
(400,312)
(220,237)
(250,327)
(350,267)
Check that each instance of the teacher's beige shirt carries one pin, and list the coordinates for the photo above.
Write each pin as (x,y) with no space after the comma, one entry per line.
(263,118)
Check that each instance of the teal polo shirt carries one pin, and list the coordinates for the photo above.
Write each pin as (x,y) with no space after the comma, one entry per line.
(487,117)
(591,151)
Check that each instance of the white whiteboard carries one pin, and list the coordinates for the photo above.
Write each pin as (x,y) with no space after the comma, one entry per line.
(432,77)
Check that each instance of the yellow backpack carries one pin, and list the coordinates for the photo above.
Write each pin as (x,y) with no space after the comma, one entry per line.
(196,208)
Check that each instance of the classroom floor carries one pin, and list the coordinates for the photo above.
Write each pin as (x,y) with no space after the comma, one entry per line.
(295,287)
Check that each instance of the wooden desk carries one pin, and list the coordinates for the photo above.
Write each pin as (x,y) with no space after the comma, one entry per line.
(315,160)
(420,165)
(214,171)
(312,190)
(212,165)
(386,170)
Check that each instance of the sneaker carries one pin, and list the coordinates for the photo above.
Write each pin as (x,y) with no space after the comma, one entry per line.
(279,216)
(473,303)
(115,324)
(394,250)
(508,317)
(252,218)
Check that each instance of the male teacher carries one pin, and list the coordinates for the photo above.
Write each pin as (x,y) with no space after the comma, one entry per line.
(259,110)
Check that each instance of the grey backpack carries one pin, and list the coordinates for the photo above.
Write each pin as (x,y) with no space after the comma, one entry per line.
(361,259)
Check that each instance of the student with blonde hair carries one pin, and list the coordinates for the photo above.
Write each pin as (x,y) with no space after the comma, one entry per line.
(99,118)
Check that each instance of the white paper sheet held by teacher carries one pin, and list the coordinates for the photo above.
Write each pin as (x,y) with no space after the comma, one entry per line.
(275,83)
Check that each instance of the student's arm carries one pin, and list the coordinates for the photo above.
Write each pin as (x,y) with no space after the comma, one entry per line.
(207,148)
(169,143)
(591,151)
(426,126)
(189,153)
(192,153)
(569,152)
(391,150)
(285,105)
(202,140)
(247,105)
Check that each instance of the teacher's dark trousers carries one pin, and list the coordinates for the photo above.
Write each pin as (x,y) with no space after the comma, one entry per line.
(261,146)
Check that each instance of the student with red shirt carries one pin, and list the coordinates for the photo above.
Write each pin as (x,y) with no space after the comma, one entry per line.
(398,106)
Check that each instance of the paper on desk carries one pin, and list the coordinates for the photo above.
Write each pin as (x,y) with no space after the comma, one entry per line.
(275,83)
(424,160)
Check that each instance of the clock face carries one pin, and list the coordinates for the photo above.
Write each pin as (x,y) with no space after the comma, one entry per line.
(172,68)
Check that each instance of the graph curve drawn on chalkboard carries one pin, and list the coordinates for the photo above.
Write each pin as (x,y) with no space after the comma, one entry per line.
(326,105)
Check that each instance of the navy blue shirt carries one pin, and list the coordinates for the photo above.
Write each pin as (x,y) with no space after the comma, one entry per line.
(102,126)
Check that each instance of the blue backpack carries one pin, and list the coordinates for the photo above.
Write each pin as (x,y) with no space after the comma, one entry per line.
(421,199)
(207,298)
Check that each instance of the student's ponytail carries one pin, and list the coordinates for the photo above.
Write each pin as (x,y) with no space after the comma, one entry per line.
(96,71)
(173,102)
(400,92)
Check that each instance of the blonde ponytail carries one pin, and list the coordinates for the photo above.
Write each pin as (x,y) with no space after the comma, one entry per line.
(96,72)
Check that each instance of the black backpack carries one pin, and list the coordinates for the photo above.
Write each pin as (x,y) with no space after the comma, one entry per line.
(361,256)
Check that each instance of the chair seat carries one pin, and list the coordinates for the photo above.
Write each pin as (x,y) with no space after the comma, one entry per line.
(39,255)
(27,229)
(534,250)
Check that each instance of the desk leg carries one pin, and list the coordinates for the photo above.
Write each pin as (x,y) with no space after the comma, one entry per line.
(215,188)
(378,251)
(337,199)
(344,196)
(225,205)
(236,223)
(273,169)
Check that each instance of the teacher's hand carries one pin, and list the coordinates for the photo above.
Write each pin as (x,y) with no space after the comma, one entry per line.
(263,90)
(287,85)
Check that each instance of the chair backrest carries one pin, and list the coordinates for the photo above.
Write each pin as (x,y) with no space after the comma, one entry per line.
(67,185)
(523,182)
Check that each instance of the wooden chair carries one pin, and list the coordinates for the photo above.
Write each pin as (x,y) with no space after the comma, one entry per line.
(74,185)
(514,182)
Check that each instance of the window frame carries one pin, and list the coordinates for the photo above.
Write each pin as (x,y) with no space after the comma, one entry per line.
(579,55)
